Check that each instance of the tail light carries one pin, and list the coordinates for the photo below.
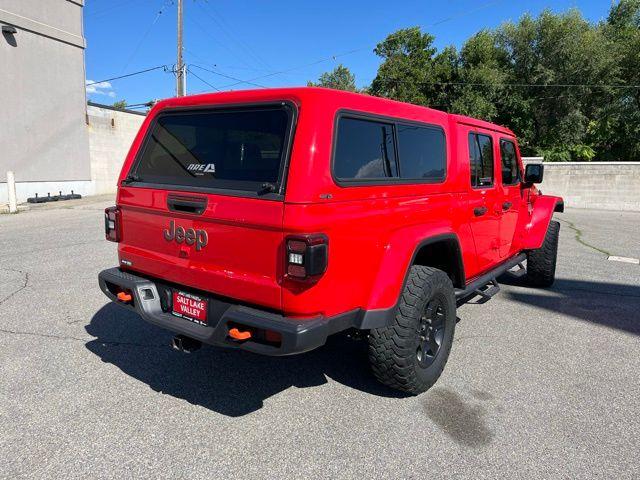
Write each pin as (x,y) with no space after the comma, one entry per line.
(112,224)
(307,255)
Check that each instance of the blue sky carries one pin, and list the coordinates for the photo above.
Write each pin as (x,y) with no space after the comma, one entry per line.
(247,39)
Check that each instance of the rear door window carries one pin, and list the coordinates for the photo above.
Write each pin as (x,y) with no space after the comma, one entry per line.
(364,150)
(509,162)
(422,152)
(481,160)
(230,149)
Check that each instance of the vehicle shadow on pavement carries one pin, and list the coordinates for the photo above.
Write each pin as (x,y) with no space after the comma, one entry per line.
(612,305)
(230,382)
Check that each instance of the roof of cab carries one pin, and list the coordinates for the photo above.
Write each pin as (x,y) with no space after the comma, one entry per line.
(302,94)
(481,124)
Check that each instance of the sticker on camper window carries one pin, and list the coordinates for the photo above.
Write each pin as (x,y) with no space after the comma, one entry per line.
(201,168)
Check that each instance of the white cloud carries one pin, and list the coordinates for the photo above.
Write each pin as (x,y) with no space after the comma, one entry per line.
(102,88)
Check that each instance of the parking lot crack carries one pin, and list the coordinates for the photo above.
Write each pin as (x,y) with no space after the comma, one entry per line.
(44,335)
(25,283)
(578,237)
(78,339)
(49,249)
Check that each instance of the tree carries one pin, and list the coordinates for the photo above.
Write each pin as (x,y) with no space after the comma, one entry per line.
(413,71)
(407,72)
(482,74)
(616,131)
(567,87)
(120,104)
(573,58)
(340,78)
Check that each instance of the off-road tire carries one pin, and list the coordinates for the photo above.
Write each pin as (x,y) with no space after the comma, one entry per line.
(541,263)
(394,350)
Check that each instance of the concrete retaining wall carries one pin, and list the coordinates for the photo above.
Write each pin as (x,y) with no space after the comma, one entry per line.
(111,133)
(601,185)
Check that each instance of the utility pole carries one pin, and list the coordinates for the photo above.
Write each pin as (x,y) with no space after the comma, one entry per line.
(180,67)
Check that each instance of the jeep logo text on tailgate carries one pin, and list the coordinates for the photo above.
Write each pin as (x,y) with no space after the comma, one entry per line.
(189,236)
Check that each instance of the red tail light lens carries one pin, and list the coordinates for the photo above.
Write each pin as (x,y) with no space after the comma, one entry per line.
(112,224)
(307,256)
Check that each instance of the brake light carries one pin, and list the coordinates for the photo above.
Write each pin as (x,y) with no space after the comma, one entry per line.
(112,224)
(306,255)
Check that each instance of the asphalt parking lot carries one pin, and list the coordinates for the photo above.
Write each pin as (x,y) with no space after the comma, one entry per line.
(540,383)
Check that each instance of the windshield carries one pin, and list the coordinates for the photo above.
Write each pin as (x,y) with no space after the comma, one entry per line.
(229,149)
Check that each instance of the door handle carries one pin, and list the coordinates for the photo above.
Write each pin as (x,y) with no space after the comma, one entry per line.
(506,205)
(187,204)
(479,211)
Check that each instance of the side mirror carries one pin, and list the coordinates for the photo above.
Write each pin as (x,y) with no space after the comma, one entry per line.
(533,173)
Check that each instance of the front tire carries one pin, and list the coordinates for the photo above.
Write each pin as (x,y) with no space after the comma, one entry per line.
(541,263)
(410,354)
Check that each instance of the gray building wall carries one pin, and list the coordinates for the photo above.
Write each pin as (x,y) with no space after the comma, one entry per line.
(44,136)
(110,133)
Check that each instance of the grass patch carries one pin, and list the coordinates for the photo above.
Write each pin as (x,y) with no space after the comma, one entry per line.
(579,239)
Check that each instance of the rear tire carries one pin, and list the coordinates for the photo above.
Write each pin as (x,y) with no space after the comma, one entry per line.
(410,354)
(541,263)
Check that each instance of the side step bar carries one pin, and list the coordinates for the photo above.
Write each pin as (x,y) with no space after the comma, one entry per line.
(520,272)
(488,291)
(486,285)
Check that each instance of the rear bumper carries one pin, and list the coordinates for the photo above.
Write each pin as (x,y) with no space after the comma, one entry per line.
(297,335)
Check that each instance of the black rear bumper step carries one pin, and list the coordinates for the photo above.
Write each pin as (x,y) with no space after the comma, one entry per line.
(478,286)
(298,335)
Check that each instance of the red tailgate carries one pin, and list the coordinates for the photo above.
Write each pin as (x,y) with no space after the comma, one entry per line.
(242,255)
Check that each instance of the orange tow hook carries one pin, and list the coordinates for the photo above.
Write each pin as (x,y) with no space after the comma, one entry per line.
(124,297)
(239,334)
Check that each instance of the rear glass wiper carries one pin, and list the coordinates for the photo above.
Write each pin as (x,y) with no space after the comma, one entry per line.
(132,177)
(265,188)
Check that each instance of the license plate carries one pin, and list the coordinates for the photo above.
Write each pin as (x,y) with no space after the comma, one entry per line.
(190,307)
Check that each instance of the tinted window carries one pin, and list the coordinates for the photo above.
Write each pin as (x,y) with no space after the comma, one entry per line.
(421,152)
(364,150)
(510,171)
(481,160)
(224,149)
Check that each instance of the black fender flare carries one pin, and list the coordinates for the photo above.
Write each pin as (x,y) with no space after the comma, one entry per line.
(368,319)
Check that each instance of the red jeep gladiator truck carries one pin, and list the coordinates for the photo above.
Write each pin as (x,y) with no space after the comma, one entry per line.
(268,220)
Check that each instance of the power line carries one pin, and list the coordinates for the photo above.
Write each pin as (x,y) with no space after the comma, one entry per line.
(203,80)
(146,33)
(128,75)
(233,67)
(526,85)
(464,13)
(239,81)
(214,65)
(251,81)
(215,40)
(229,33)
(190,52)
(356,50)
(280,72)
